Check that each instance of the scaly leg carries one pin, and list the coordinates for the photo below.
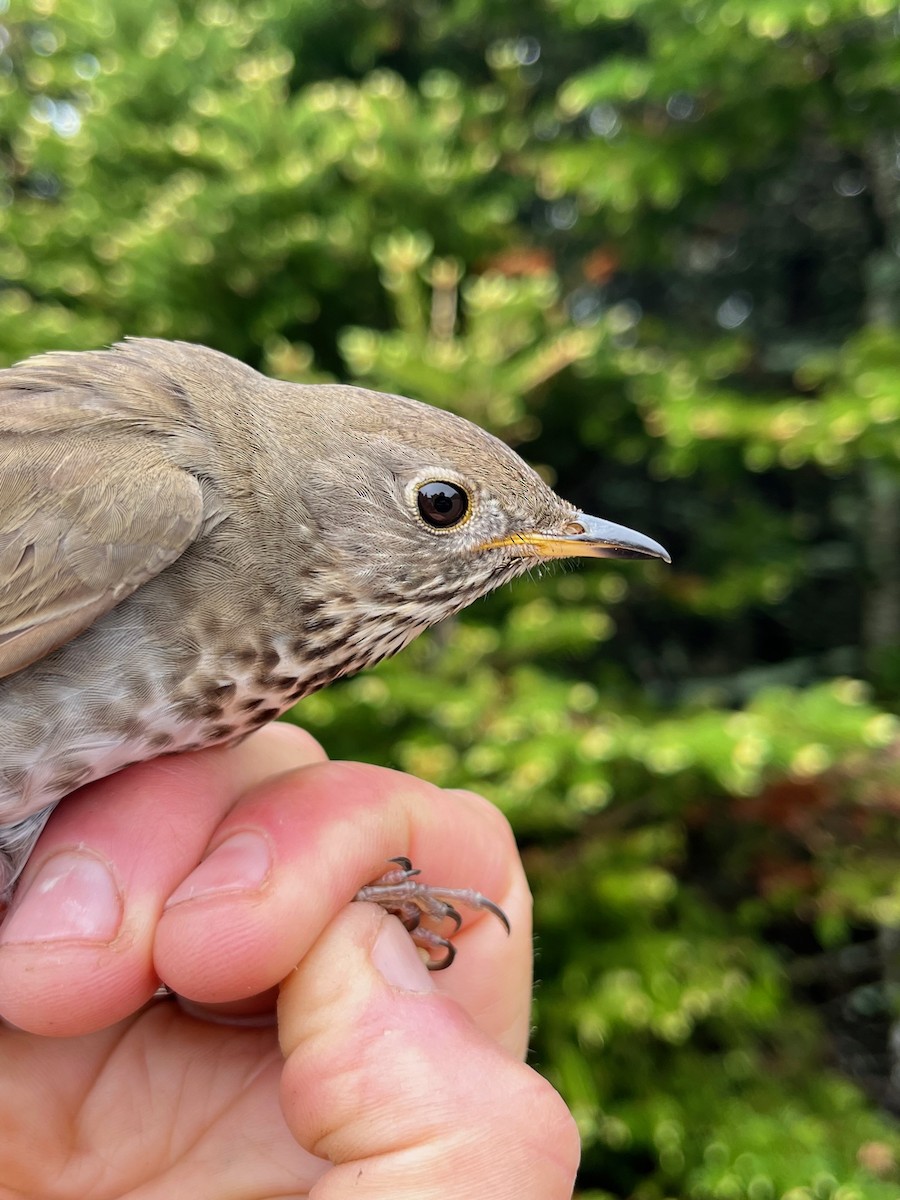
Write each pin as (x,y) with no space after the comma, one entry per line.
(402,894)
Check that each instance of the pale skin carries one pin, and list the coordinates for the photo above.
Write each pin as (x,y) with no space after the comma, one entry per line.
(378,1080)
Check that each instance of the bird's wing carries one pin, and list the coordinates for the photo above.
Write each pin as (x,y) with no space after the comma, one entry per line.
(89,510)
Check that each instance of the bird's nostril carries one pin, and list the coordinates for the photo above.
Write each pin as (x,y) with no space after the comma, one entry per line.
(573,529)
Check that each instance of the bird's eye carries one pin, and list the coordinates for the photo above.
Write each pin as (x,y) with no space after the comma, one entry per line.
(442,505)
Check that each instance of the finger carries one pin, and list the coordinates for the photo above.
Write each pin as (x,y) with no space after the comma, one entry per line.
(327,830)
(392,1082)
(76,949)
(502,1012)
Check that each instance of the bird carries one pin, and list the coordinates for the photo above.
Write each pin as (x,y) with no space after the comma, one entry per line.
(189,547)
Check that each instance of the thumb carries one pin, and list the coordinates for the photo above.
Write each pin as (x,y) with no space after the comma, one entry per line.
(394,1084)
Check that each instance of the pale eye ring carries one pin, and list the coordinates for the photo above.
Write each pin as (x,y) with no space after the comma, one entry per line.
(442,505)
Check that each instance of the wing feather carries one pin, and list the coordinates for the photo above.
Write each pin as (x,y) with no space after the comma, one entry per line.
(90,508)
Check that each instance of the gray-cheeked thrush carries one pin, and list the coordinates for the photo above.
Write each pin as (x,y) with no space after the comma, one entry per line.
(187,548)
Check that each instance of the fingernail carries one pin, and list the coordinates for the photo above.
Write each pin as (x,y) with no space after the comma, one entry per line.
(241,864)
(73,897)
(397,960)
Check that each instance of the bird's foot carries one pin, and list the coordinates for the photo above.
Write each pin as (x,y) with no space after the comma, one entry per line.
(402,894)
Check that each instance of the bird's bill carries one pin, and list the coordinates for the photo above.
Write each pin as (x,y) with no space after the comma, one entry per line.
(586,537)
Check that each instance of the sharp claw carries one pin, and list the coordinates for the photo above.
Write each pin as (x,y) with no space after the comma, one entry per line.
(441,964)
(420,906)
(411,920)
(498,913)
(452,915)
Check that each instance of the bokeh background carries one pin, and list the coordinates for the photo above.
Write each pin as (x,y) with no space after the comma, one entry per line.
(653,244)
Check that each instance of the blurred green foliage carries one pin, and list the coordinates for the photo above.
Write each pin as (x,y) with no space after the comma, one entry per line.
(653,243)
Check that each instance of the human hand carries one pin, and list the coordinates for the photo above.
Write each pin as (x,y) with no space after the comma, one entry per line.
(387,1078)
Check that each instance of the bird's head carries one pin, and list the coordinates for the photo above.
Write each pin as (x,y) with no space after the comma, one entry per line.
(427,509)
(365,517)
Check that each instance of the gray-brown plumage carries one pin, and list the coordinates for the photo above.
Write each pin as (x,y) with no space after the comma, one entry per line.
(188,547)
